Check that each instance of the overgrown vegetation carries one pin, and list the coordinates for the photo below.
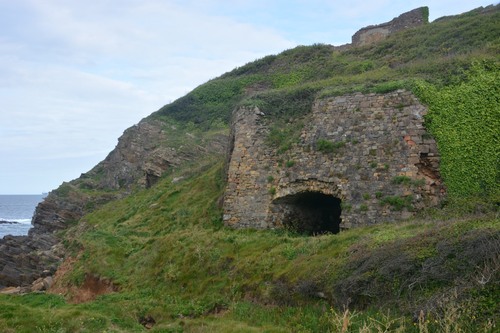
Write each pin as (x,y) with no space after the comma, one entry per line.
(397,202)
(287,83)
(326,146)
(465,120)
(171,259)
(407,181)
(283,135)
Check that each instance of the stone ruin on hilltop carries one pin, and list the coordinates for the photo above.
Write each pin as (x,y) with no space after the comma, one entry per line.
(376,33)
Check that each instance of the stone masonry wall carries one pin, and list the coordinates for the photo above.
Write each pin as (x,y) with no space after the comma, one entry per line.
(375,33)
(384,165)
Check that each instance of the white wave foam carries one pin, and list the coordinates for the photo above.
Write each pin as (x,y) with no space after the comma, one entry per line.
(21,221)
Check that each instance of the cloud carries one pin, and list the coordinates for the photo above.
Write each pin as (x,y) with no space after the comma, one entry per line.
(74,75)
(146,29)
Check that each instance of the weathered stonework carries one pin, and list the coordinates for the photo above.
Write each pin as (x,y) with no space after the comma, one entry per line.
(382,166)
(376,33)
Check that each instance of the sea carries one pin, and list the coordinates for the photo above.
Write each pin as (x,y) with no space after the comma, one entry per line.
(16,212)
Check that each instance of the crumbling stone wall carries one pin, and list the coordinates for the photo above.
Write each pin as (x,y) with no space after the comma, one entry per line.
(383,165)
(376,33)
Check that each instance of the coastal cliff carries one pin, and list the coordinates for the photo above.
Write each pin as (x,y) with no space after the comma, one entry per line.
(144,153)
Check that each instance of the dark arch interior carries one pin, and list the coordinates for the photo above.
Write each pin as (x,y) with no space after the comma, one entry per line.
(311,213)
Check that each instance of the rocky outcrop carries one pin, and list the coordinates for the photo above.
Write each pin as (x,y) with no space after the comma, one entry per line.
(61,207)
(140,158)
(41,284)
(143,153)
(360,159)
(24,259)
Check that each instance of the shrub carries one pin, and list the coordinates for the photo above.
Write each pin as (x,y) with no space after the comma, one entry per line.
(346,207)
(386,87)
(283,135)
(405,180)
(397,203)
(326,146)
(363,208)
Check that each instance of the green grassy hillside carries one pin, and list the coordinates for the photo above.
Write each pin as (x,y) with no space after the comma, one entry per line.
(169,258)
(162,258)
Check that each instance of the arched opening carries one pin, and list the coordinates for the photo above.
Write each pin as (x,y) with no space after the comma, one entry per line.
(310,213)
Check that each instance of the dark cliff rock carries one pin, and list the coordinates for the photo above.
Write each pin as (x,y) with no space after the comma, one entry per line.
(143,153)
(139,157)
(23,259)
(57,210)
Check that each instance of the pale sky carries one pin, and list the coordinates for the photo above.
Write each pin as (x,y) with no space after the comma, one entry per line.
(74,74)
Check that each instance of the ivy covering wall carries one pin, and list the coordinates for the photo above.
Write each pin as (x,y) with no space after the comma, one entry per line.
(465,120)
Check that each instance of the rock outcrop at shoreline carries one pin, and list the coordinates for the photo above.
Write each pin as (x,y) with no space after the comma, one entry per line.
(8,222)
(24,259)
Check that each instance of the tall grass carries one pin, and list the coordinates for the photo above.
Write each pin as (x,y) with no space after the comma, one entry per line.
(168,256)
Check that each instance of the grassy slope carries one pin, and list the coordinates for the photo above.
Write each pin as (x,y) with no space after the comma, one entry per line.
(167,252)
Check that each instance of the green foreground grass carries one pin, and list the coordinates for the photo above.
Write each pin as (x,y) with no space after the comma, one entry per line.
(170,258)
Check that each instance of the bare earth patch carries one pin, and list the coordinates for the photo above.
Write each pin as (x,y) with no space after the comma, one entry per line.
(91,287)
